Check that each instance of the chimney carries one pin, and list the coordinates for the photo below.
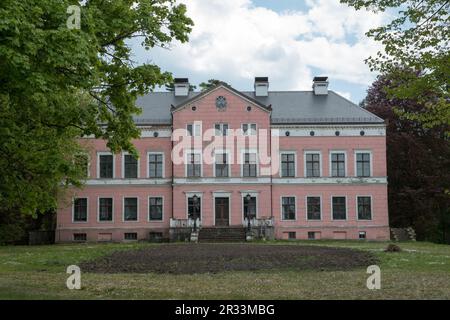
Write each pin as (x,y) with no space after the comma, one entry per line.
(320,86)
(181,87)
(261,86)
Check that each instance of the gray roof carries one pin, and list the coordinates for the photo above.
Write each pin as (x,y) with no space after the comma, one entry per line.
(288,107)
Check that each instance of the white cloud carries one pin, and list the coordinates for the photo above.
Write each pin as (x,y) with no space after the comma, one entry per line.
(234,40)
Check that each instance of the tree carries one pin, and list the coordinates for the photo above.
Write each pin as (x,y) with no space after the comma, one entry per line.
(418,39)
(59,84)
(211,83)
(418,159)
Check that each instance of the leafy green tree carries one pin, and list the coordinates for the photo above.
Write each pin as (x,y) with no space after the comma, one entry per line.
(211,83)
(418,39)
(59,83)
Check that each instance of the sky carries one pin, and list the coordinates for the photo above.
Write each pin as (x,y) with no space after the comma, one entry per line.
(289,41)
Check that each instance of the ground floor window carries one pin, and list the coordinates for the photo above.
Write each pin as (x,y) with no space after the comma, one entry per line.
(313,208)
(292,235)
(288,208)
(80,210)
(311,235)
(130,209)
(155,208)
(105,209)
(339,208)
(364,208)
(130,236)
(362,235)
(249,207)
(79,237)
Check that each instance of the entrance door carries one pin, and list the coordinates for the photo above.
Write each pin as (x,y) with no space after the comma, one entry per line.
(222,212)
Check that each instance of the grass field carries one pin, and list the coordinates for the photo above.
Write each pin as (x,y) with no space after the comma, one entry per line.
(420,271)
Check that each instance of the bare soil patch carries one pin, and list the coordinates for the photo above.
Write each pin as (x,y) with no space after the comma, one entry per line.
(213,258)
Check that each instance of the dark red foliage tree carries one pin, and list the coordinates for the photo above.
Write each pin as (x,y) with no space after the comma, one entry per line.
(418,161)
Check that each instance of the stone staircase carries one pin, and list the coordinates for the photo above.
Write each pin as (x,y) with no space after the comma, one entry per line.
(221,234)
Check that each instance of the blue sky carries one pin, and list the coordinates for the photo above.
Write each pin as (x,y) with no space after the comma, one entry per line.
(289,41)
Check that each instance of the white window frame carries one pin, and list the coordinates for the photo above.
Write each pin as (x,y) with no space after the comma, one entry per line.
(281,207)
(123,209)
(221,124)
(371,207)
(306,207)
(346,207)
(356,162)
(123,166)
(190,194)
(330,163)
(244,151)
(105,153)
(295,163)
(246,134)
(186,157)
(252,194)
(148,209)
(73,210)
(163,172)
(227,152)
(320,163)
(98,208)
(195,125)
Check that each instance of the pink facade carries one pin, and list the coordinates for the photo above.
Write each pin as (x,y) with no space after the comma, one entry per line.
(324,203)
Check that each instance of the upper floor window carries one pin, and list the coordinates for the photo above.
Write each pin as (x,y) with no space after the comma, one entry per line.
(155,165)
(249,129)
(105,209)
(130,209)
(221,129)
(288,208)
(194,129)
(288,165)
(130,166)
(339,208)
(80,210)
(155,208)
(249,167)
(312,164)
(313,208)
(338,164)
(363,164)
(222,166)
(194,165)
(106,166)
(364,208)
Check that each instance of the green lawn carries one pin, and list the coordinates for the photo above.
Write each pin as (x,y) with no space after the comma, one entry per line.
(421,271)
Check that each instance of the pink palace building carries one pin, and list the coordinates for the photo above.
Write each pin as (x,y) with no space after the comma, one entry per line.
(226,164)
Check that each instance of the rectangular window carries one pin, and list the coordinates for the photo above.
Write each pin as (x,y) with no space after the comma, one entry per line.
(221,165)
(288,208)
(194,166)
(195,207)
(311,235)
(339,208)
(80,210)
(130,209)
(313,165)
(155,165)
(79,237)
(155,208)
(313,208)
(249,165)
(105,209)
(221,129)
(364,208)
(193,130)
(338,164)
(363,164)
(106,166)
(292,235)
(362,235)
(249,129)
(249,207)
(288,165)
(130,236)
(130,166)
